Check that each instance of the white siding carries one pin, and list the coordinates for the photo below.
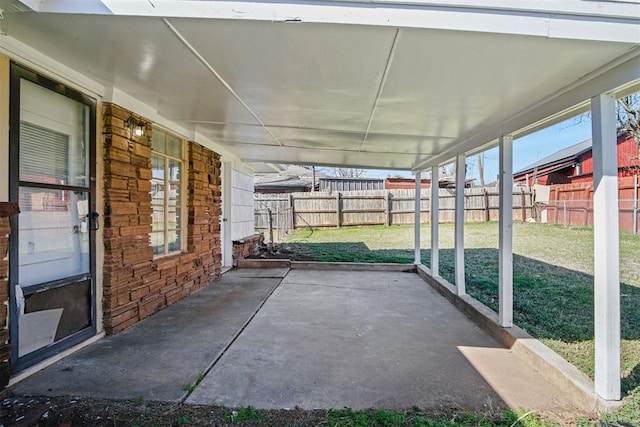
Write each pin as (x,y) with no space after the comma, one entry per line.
(242,220)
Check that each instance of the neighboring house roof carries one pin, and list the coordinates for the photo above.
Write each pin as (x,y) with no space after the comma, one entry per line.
(562,156)
(281,182)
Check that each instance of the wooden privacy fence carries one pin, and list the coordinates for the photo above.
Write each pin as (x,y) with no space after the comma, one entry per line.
(572,204)
(379,207)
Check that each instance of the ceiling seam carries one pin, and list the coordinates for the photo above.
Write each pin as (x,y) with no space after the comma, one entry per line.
(219,77)
(385,74)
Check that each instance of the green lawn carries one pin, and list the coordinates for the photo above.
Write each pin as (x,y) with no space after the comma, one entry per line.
(553,279)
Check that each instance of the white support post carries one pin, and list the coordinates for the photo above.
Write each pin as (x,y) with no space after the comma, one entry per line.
(505,233)
(606,265)
(417,258)
(435,219)
(459,224)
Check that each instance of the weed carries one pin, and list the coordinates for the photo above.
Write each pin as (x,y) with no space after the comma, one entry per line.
(246,413)
(190,387)
(182,420)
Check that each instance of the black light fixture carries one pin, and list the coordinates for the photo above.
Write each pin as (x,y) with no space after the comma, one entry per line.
(136,126)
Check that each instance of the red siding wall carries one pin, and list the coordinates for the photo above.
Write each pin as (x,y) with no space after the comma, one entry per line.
(405,183)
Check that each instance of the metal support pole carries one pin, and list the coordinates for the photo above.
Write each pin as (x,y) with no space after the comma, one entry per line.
(417,258)
(459,224)
(606,266)
(435,219)
(505,233)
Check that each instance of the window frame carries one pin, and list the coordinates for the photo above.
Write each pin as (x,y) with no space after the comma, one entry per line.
(182,224)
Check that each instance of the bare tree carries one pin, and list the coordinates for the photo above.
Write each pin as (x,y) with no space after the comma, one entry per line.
(628,115)
(348,172)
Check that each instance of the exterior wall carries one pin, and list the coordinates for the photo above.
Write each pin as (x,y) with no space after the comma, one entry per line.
(628,162)
(405,183)
(6,210)
(135,284)
(628,165)
(350,184)
(242,220)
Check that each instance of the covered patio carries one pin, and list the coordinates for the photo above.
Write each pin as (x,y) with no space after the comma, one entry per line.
(398,85)
(281,338)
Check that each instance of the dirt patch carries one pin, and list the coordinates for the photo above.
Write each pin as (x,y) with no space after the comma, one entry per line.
(274,251)
(69,411)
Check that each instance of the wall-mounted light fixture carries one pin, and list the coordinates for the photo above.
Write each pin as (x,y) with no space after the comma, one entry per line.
(136,126)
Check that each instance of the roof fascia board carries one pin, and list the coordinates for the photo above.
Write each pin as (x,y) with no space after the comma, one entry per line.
(611,9)
(623,77)
(549,167)
(67,6)
(570,19)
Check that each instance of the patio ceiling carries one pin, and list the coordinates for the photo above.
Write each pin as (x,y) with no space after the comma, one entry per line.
(375,85)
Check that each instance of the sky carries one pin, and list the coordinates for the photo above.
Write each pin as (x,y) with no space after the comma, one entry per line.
(526,150)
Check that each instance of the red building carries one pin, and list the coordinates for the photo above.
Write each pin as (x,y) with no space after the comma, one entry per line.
(405,183)
(574,164)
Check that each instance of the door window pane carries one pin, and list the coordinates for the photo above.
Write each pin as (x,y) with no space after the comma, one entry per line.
(54,235)
(54,137)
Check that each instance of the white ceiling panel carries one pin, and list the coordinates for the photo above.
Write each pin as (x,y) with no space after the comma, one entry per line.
(406,144)
(452,83)
(322,157)
(227,133)
(138,55)
(376,96)
(319,76)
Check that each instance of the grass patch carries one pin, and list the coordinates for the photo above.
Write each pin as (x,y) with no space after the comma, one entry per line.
(417,418)
(553,279)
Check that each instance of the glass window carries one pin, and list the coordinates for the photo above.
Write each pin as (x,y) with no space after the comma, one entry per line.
(166,193)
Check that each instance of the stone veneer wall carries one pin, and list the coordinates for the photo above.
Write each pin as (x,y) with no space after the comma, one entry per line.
(6,210)
(135,284)
(246,247)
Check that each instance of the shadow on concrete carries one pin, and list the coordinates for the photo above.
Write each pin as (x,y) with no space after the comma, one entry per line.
(550,302)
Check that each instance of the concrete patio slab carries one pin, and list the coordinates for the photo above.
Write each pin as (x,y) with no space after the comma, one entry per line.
(154,358)
(330,339)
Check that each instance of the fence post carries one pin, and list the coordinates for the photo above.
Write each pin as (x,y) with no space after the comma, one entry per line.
(564,213)
(387,208)
(635,204)
(523,201)
(485,199)
(292,214)
(338,209)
